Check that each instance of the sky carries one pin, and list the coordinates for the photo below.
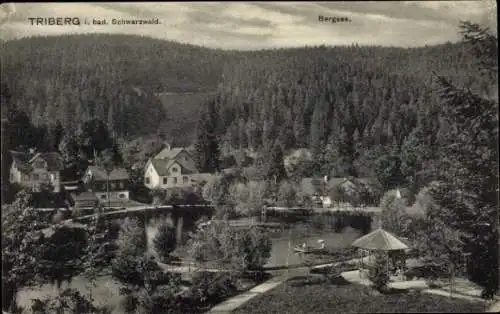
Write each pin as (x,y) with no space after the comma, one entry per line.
(261,25)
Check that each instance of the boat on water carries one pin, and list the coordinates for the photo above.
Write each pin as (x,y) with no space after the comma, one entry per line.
(306,249)
(299,249)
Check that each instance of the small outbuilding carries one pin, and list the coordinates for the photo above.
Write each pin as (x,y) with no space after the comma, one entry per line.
(381,240)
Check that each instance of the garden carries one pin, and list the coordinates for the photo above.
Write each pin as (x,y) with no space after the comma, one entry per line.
(315,294)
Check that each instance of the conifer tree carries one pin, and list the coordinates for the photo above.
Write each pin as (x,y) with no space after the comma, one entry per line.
(468,170)
(207,142)
(276,168)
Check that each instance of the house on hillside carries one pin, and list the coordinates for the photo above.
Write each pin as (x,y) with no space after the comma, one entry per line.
(355,191)
(329,192)
(95,180)
(172,168)
(36,170)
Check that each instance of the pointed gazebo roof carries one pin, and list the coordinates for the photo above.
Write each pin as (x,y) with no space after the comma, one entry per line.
(380,240)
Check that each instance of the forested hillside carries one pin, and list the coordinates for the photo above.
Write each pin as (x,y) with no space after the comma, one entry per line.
(74,78)
(305,94)
(305,97)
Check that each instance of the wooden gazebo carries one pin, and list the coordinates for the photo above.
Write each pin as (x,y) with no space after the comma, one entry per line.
(381,240)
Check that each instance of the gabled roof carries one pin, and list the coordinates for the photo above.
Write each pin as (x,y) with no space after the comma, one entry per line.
(380,240)
(311,186)
(24,161)
(168,157)
(162,166)
(336,181)
(169,153)
(99,173)
(53,159)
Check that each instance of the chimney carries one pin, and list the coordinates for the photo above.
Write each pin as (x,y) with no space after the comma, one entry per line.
(32,150)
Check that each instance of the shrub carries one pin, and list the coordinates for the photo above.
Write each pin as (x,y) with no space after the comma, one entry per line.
(225,212)
(161,300)
(68,301)
(249,198)
(63,254)
(132,237)
(141,271)
(129,303)
(211,288)
(378,273)
(164,242)
(226,246)
(287,194)
(124,268)
(255,248)
(131,247)
(157,293)
(393,213)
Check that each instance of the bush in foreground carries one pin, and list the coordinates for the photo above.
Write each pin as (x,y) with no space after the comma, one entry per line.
(68,301)
(231,248)
(211,288)
(313,296)
(378,273)
(164,242)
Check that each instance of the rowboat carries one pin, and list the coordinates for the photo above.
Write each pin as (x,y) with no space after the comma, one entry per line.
(304,249)
(299,249)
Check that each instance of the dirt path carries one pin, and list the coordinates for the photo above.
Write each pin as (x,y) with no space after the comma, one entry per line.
(282,275)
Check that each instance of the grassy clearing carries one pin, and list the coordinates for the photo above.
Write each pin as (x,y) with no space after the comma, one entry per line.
(315,295)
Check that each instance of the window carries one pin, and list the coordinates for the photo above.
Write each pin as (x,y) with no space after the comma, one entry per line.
(174,169)
(39,164)
(113,185)
(122,185)
(36,177)
(175,180)
(165,180)
(103,196)
(148,180)
(26,177)
(185,180)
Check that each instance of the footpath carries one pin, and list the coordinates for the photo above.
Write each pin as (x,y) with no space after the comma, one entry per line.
(462,288)
(282,276)
(467,293)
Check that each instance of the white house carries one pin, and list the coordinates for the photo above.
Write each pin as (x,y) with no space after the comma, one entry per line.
(172,167)
(35,170)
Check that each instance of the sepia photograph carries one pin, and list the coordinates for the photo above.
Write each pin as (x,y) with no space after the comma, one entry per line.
(250,157)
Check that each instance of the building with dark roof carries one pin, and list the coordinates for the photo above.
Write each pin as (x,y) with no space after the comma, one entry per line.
(171,168)
(107,189)
(37,170)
